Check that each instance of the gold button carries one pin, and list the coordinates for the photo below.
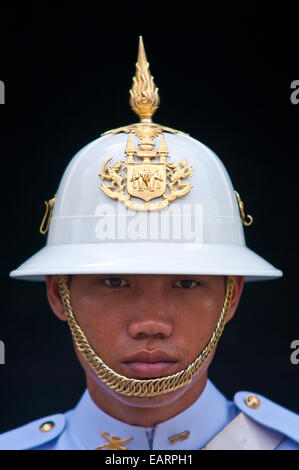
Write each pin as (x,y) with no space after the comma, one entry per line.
(253,401)
(45,427)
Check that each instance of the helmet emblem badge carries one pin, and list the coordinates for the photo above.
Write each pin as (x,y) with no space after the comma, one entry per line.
(146,179)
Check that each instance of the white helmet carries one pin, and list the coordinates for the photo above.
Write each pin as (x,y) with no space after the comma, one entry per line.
(145,199)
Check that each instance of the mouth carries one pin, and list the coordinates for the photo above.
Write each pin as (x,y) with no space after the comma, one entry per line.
(150,365)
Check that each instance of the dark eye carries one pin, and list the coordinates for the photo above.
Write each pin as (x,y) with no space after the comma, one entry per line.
(186,284)
(115,282)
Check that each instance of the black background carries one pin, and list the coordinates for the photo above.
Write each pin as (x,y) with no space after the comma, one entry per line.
(224,77)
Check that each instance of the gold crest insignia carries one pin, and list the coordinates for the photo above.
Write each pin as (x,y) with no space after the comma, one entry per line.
(145,179)
(151,176)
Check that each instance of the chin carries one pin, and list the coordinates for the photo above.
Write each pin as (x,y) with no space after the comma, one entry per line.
(151,402)
(144,402)
(163,400)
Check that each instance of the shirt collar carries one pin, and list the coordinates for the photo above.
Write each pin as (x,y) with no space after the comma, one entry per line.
(203,419)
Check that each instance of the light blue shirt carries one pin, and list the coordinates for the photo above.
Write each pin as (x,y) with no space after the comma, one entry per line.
(81,427)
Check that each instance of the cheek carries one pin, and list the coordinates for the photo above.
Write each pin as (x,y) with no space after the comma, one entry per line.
(101,322)
(200,319)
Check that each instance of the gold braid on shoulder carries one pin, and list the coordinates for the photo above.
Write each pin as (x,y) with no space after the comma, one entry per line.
(134,387)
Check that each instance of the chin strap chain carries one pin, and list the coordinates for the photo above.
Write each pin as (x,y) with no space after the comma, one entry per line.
(134,387)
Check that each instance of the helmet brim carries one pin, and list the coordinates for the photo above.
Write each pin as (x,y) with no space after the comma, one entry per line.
(140,258)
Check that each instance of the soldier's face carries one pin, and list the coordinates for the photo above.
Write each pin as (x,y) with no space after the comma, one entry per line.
(146,326)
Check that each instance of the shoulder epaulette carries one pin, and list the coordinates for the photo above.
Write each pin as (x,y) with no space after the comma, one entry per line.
(33,434)
(269,414)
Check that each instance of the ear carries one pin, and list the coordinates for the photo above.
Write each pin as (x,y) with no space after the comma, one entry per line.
(54,297)
(238,287)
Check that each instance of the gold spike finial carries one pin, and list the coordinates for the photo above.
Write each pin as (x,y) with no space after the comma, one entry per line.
(144,98)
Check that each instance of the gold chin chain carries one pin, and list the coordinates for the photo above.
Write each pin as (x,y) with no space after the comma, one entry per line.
(133,387)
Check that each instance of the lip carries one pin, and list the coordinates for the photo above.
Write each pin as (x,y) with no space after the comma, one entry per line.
(150,364)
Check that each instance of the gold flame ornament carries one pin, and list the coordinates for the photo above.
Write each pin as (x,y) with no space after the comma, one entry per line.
(144,98)
(151,176)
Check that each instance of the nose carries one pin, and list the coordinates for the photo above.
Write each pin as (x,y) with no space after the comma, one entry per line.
(152,314)
(150,320)
(141,328)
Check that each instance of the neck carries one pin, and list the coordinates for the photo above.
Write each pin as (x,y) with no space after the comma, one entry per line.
(145,412)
